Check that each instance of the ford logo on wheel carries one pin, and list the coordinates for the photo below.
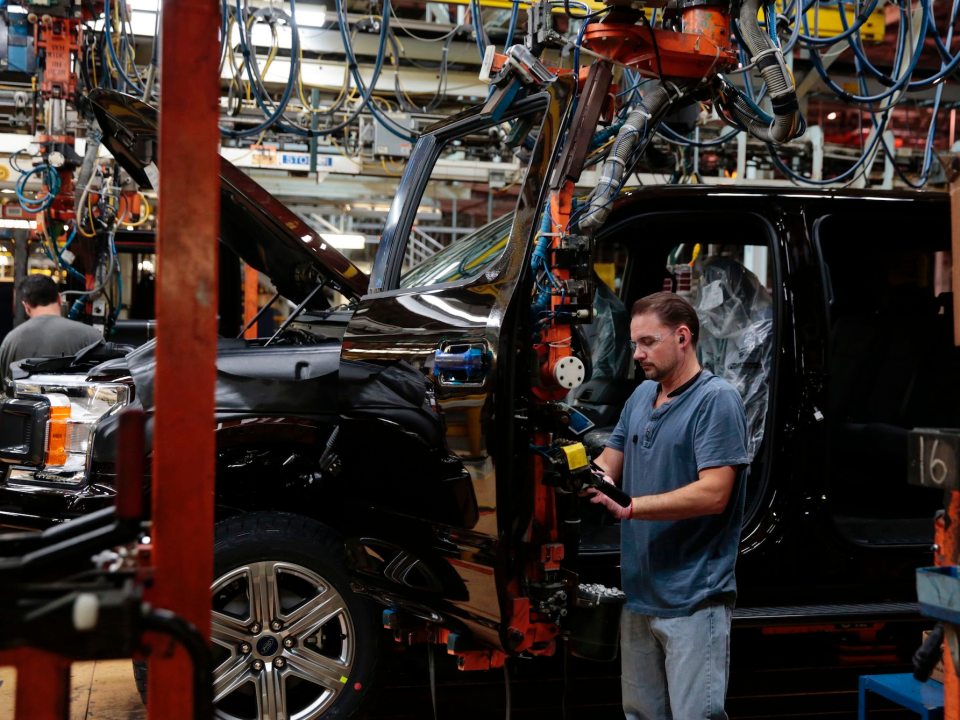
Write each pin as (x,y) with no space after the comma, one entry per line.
(267,645)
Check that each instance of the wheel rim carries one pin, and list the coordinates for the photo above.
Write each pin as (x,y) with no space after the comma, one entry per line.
(284,643)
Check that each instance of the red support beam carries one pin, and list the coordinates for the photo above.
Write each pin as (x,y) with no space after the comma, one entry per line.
(952,167)
(187,230)
(43,683)
(251,294)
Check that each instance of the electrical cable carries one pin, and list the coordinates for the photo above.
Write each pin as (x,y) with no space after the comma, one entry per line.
(144,212)
(423,39)
(107,25)
(512,28)
(476,16)
(52,182)
(106,280)
(272,116)
(366,95)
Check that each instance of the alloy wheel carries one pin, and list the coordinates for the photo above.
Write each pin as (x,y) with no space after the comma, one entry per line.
(284,643)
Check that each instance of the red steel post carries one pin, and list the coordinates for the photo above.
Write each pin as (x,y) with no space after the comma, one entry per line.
(948,541)
(251,289)
(43,683)
(187,230)
(948,527)
(953,175)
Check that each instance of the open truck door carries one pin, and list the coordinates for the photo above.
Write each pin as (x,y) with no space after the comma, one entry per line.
(461,319)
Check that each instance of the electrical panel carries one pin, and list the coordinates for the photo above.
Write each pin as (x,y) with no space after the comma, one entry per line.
(386,143)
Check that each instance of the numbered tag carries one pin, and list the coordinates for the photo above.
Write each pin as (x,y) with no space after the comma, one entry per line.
(934,455)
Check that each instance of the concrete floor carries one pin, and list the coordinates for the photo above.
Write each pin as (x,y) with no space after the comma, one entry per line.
(101,690)
(792,676)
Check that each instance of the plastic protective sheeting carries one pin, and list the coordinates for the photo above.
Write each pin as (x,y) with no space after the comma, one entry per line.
(609,335)
(736,336)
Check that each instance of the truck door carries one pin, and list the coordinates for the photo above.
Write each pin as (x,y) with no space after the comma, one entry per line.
(450,307)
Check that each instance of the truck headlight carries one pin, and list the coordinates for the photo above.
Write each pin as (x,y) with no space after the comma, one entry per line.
(76,408)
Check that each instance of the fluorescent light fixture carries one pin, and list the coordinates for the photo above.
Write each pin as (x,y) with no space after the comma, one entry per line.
(144,12)
(832,116)
(18,224)
(143,23)
(7,191)
(369,206)
(345,242)
(311,18)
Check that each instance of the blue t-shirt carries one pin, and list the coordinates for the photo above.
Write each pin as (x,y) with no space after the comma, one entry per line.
(670,567)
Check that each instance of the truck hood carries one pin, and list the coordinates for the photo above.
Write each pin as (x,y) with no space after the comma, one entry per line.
(266,234)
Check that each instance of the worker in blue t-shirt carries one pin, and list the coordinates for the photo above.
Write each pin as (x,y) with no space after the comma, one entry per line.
(679,447)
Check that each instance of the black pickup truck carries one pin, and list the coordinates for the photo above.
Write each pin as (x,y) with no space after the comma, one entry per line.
(380,450)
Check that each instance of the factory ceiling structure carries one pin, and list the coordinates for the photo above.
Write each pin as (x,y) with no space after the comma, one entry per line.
(430,326)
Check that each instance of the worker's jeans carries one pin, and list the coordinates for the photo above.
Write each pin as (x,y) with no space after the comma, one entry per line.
(676,668)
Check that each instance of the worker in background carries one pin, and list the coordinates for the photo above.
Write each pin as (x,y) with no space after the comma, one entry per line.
(679,449)
(46,332)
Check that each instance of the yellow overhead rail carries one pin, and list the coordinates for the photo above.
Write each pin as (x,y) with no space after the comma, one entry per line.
(828,23)
(506,4)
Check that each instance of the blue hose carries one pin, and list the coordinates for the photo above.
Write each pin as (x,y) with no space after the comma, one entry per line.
(514,16)
(52,181)
(287,91)
(808,40)
(137,87)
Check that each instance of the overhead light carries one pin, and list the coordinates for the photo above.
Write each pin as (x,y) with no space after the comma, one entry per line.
(18,224)
(311,18)
(7,191)
(345,242)
(148,5)
(369,206)
(832,116)
(143,23)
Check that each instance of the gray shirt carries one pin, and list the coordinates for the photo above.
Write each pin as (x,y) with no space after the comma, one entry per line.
(44,335)
(669,567)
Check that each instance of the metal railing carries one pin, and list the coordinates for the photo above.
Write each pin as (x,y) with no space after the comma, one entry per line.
(420,246)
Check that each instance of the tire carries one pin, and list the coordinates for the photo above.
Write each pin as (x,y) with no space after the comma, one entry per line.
(330,666)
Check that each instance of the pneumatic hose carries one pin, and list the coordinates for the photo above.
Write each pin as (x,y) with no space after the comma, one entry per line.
(781,89)
(638,128)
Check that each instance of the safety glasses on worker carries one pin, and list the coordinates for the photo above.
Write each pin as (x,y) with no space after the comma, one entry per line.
(649,342)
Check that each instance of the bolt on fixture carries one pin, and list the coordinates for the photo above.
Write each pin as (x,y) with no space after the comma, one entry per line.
(258,665)
(288,642)
(279,662)
(255,628)
(245,648)
(276,625)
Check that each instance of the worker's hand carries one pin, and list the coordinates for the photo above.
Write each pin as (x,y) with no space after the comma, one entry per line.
(621,513)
